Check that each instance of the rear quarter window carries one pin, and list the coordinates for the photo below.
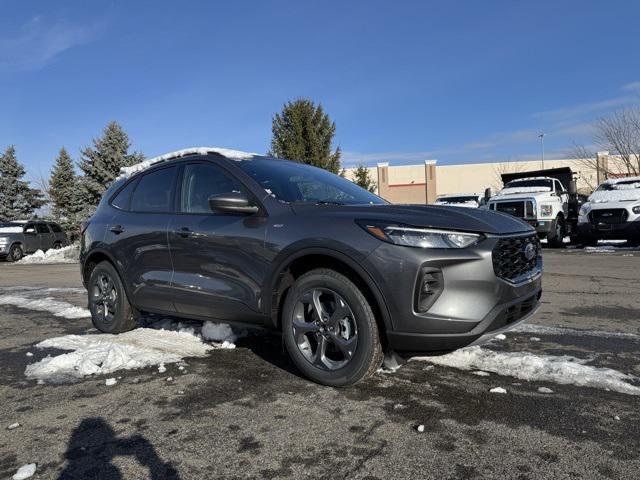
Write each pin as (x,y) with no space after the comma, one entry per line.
(56,228)
(122,200)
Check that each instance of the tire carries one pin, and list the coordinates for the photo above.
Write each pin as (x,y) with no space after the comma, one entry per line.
(559,233)
(57,246)
(15,253)
(110,309)
(348,335)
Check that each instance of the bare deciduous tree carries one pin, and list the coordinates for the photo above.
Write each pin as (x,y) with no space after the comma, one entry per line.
(619,134)
(506,167)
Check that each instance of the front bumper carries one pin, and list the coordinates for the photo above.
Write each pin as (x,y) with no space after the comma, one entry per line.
(615,231)
(473,303)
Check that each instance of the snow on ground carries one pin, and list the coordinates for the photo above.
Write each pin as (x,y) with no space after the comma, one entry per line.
(58,308)
(546,330)
(103,353)
(25,471)
(162,342)
(527,366)
(69,254)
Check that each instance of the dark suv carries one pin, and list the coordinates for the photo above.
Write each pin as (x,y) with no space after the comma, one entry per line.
(220,235)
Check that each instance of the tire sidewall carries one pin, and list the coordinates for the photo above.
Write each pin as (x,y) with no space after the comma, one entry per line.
(122,304)
(367,334)
(12,249)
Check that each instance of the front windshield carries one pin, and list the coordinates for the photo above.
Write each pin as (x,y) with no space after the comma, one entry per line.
(622,185)
(298,183)
(469,199)
(535,183)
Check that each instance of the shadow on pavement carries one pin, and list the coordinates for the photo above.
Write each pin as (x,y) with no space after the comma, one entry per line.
(93,446)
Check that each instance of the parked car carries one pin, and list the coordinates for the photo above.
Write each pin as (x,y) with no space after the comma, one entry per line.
(468,200)
(220,235)
(20,238)
(612,212)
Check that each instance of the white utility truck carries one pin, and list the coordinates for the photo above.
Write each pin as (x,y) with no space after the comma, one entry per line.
(546,199)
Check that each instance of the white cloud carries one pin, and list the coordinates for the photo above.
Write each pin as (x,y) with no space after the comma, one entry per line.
(633,86)
(39,41)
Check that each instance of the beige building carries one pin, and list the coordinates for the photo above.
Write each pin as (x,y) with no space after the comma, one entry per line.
(424,182)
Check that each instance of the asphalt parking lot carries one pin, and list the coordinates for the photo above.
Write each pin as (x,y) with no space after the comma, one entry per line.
(246,412)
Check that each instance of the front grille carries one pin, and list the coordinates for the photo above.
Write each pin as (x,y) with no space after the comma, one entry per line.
(512,208)
(510,256)
(610,216)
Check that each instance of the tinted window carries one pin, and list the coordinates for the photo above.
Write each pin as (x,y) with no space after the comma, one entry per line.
(123,198)
(299,183)
(558,187)
(539,182)
(29,225)
(56,228)
(199,182)
(154,191)
(42,228)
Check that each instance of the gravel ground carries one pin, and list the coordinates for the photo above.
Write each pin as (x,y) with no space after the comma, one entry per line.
(246,413)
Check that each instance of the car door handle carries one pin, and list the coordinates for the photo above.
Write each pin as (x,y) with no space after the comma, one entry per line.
(183,232)
(117,229)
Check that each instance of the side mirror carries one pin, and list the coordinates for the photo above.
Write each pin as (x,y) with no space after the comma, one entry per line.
(487,194)
(573,187)
(30,230)
(232,202)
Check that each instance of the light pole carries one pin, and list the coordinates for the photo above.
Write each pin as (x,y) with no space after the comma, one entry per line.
(541,137)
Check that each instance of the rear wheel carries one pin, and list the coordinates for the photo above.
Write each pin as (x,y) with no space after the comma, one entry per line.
(57,246)
(110,309)
(15,253)
(329,329)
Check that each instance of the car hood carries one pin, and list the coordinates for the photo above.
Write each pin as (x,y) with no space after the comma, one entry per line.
(442,217)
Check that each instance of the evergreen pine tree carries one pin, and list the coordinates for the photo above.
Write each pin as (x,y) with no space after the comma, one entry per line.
(17,199)
(101,163)
(304,132)
(64,192)
(362,177)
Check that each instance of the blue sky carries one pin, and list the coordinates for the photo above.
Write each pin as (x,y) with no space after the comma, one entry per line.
(404,81)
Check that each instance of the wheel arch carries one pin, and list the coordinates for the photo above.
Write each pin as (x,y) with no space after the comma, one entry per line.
(308,259)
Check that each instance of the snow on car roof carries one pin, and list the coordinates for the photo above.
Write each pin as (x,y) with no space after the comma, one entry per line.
(622,179)
(448,195)
(138,167)
(529,178)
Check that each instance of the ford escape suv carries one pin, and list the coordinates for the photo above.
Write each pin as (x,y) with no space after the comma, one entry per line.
(215,234)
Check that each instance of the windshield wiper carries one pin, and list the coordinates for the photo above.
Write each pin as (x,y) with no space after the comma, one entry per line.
(328,202)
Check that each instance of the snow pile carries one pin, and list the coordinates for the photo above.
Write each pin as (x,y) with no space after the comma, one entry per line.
(68,254)
(233,154)
(219,332)
(526,366)
(16,229)
(59,308)
(104,353)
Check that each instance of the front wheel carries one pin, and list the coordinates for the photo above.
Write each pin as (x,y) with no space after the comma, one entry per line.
(110,309)
(329,329)
(15,253)
(557,241)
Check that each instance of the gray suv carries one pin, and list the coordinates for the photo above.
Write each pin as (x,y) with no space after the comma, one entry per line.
(19,239)
(213,234)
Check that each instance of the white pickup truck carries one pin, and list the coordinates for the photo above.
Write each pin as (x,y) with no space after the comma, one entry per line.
(541,201)
(612,212)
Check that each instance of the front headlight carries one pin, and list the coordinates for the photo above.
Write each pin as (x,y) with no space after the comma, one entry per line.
(420,237)
(4,240)
(546,210)
(584,209)
(636,209)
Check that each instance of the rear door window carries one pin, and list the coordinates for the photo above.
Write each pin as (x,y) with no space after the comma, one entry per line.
(56,228)
(154,192)
(42,228)
(123,199)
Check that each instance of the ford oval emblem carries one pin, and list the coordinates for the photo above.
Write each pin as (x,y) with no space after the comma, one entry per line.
(530,251)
